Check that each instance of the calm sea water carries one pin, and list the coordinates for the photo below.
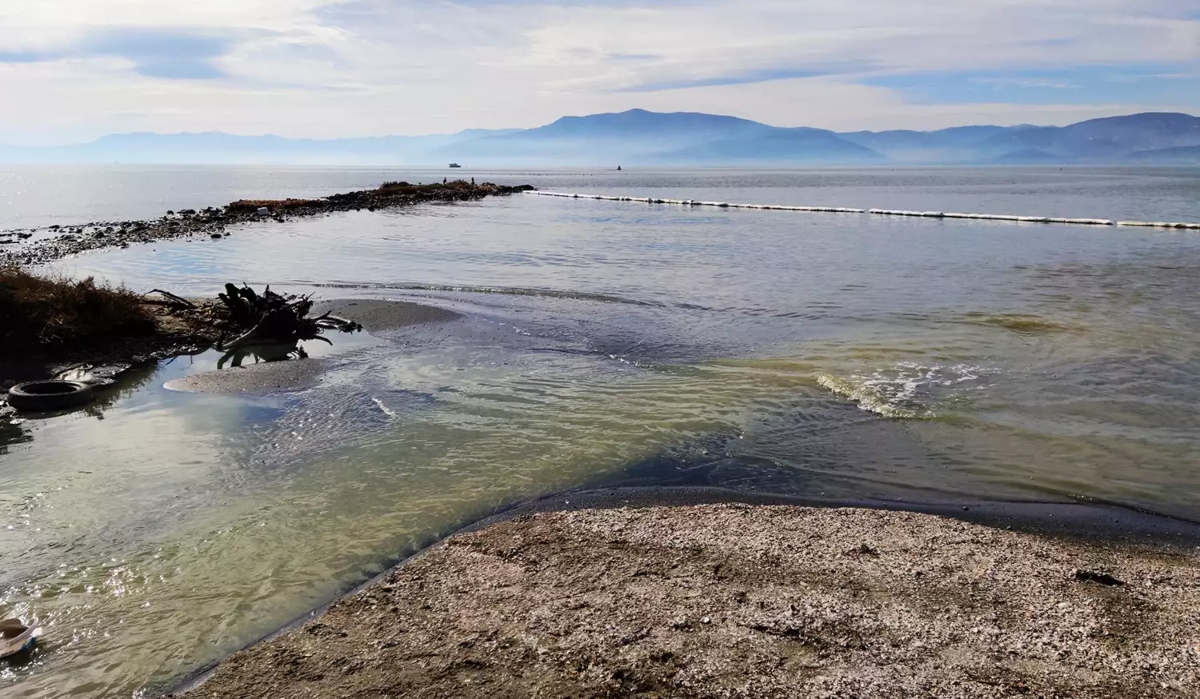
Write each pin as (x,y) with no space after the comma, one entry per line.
(812,354)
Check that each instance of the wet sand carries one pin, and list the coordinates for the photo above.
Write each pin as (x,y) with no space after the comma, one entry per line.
(735,600)
(255,379)
(376,316)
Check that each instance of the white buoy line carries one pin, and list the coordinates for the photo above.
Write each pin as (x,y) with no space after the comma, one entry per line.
(879,212)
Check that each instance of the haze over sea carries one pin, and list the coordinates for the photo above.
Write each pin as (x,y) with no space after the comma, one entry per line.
(829,356)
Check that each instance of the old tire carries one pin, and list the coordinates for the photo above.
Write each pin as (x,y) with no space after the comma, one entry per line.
(44,396)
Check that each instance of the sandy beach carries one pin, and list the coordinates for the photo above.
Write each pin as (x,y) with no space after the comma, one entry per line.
(733,600)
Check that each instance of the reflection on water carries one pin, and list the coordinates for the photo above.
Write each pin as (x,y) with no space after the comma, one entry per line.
(926,360)
(256,354)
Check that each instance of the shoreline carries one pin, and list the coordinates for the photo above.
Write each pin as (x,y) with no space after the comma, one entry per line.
(1084,525)
(188,330)
(637,633)
(215,222)
(179,330)
(644,601)
(172,330)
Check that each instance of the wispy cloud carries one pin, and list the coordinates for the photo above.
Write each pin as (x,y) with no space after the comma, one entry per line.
(23,56)
(154,53)
(751,77)
(412,66)
(632,57)
(1027,83)
(162,54)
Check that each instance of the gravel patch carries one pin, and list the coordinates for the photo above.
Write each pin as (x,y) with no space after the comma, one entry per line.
(732,600)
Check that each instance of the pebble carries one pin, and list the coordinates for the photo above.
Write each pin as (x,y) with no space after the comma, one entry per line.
(121,234)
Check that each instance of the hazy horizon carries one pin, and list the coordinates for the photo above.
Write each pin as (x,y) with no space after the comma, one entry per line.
(484,128)
(654,138)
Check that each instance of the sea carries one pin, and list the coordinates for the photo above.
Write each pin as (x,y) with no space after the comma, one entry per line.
(833,357)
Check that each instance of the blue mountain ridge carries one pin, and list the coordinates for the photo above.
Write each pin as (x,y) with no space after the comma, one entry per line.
(640,137)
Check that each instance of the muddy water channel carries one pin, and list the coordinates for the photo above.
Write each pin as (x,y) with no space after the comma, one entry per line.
(579,344)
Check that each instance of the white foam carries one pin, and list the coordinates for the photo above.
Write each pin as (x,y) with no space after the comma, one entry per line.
(884,212)
(906,390)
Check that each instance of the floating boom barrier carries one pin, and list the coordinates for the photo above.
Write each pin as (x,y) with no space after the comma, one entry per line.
(880,212)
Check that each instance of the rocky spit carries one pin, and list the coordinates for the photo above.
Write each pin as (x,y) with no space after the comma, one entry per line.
(32,247)
(733,600)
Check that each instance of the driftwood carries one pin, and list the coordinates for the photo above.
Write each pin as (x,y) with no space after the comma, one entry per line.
(271,318)
(171,299)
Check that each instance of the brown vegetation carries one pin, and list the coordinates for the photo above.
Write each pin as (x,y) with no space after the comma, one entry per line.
(406,188)
(386,193)
(41,312)
(252,205)
(50,322)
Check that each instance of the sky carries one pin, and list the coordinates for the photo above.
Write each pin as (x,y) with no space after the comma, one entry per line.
(73,70)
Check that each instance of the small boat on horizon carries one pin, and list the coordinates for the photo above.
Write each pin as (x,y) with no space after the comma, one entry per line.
(456,165)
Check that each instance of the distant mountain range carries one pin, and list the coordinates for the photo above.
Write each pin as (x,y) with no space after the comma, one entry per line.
(639,137)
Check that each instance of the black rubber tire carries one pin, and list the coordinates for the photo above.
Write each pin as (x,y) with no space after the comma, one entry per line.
(45,396)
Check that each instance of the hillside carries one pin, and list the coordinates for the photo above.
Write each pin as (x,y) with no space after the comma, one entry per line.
(1108,140)
(644,138)
(1180,155)
(639,136)
(799,145)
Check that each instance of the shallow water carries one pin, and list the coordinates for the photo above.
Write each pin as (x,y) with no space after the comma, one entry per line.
(821,355)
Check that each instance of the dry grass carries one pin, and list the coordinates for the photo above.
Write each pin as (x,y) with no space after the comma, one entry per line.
(409,188)
(273,204)
(44,313)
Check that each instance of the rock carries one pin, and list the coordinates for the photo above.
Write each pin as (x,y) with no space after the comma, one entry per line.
(1101,578)
(188,222)
(865,550)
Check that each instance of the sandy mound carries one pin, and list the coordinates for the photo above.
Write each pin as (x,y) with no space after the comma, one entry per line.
(740,601)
